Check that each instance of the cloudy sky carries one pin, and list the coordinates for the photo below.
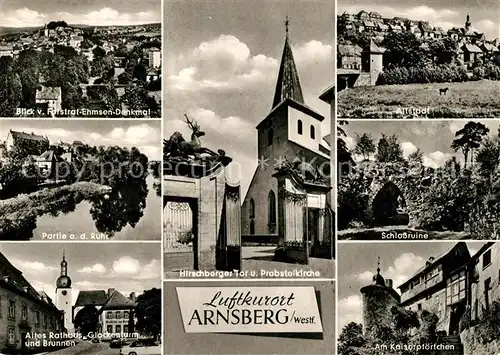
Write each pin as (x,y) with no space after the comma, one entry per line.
(432,137)
(29,13)
(223,64)
(399,261)
(91,266)
(447,14)
(144,135)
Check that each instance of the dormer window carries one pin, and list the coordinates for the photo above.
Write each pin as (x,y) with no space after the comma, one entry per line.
(299,127)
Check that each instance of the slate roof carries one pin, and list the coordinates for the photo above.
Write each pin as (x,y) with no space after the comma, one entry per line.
(434,261)
(28,136)
(288,83)
(91,298)
(472,48)
(117,301)
(349,50)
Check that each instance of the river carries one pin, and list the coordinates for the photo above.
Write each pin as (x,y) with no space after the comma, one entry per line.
(133,213)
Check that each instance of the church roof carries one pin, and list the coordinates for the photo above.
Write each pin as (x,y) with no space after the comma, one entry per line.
(288,84)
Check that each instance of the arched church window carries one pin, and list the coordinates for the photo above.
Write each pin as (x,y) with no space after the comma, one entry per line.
(252,227)
(251,211)
(271,200)
(299,127)
(313,132)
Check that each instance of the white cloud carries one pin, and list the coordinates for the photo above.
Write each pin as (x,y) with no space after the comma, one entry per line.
(402,269)
(436,159)
(126,266)
(350,309)
(152,270)
(222,63)
(408,148)
(312,52)
(32,266)
(96,268)
(104,17)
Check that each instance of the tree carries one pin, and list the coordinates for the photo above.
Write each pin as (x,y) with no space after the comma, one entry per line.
(99,52)
(350,339)
(389,150)
(11,95)
(488,157)
(148,312)
(469,138)
(364,145)
(417,157)
(87,319)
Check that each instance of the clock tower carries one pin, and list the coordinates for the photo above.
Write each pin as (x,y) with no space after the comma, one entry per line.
(63,295)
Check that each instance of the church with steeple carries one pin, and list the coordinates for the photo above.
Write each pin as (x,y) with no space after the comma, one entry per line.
(64,296)
(291,131)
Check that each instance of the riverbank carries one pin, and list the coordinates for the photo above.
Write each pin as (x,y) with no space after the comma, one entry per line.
(19,213)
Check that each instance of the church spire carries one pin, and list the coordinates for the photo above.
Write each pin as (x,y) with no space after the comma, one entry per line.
(288,84)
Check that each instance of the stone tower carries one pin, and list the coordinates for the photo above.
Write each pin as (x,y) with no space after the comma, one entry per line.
(378,300)
(373,61)
(64,296)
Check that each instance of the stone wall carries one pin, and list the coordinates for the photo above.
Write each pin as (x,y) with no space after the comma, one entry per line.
(474,347)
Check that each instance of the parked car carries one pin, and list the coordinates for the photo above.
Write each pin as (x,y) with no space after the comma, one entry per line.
(142,347)
(118,343)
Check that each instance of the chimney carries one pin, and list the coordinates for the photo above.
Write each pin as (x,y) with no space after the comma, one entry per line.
(110,291)
(132,297)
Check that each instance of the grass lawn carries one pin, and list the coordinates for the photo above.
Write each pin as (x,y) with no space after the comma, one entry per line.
(463,100)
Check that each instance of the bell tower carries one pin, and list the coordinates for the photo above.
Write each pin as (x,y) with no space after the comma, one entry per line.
(63,295)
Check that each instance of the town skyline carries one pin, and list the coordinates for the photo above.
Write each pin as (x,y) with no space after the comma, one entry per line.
(439,14)
(33,13)
(223,66)
(145,136)
(113,267)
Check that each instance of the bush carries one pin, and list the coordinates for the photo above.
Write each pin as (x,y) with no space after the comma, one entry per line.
(422,75)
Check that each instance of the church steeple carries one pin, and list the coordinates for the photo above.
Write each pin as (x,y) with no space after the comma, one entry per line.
(63,281)
(467,23)
(288,84)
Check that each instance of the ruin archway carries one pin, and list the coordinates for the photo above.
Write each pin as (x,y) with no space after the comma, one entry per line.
(389,206)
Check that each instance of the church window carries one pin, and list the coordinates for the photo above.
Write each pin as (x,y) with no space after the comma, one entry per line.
(252,227)
(252,208)
(313,132)
(272,212)
(299,127)
(270,135)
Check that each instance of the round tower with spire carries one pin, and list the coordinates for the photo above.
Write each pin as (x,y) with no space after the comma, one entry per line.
(63,294)
(467,22)
(378,300)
